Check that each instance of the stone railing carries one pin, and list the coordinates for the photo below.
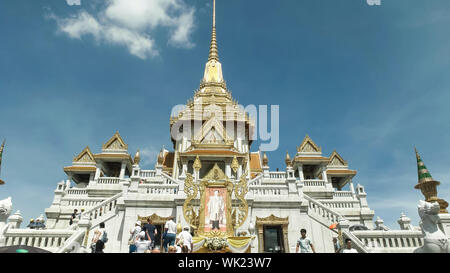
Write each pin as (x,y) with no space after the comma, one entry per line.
(108,180)
(340,204)
(277,175)
(73,243)
(314,183)
(317,208)
(82,203)
(255,181)
(168,180)
(103,208)
(147,173)
(76,192)
(342,194)
(356,242)
(268,190)
(158,189)
(50,240)
(393,241)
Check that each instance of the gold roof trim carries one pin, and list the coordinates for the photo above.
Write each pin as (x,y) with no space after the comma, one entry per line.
(308,145)
(85,156)
(79,169)
(115,143)
(335,157)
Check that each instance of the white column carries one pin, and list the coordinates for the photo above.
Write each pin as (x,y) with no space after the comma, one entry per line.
(227,169)
(97,171)
(122,170)
(300,172)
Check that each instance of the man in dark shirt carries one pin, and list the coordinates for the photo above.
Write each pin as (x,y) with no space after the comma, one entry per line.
(74,214)
(150,232)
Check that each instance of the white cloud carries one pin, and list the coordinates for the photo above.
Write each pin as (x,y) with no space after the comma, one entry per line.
(132,23)
(148,156)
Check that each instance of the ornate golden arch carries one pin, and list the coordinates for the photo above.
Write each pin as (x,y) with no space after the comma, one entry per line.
(272,220)
(215,178)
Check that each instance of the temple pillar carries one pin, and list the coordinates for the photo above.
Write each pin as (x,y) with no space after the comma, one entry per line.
(122,170)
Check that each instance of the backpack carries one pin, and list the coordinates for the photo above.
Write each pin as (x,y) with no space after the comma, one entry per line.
(104,237)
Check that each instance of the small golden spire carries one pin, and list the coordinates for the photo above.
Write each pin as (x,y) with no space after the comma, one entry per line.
(265,160)
(288,160)
(137,158)
(197,164)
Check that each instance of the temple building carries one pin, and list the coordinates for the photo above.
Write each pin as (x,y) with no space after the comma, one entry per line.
(212,160)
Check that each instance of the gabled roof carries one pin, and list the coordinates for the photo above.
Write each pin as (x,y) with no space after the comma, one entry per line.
(115,143)
(308,146)
(337,160)
(85,156)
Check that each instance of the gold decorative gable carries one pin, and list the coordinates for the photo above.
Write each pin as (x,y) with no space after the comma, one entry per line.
(272,220)
(85,156)
(115,143)
(215,173)
(337,160)
(211,128)
(309,146)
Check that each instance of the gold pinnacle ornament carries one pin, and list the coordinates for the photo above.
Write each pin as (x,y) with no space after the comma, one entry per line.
(427,185)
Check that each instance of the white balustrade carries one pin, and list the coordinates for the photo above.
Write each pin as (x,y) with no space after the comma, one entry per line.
(341,194)
(103,208)
(390,241)
(277,175)
(314,183)
(108,180)
(255,181)
(158,189)
(263,190)
(341,204)
(76,192)
(82,203)
(49,240)
(148,173)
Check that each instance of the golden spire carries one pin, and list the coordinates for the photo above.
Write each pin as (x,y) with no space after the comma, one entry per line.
(213,51)
(288,160)
(265,160)
(137,158)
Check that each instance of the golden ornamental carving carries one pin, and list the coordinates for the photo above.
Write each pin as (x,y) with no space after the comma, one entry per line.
(156,219)
(197,164)
(191,189)
(308,146)
(137,158)
(265,160)
(234,164)
(241,212)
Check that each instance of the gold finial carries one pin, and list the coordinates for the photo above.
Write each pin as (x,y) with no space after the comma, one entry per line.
(288,160)
(137,158)
(265,160)
(160,159)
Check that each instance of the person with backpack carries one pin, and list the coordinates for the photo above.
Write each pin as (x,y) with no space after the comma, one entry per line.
(100,238)
(134,236)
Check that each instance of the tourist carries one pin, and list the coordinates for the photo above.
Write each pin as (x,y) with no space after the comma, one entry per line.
(141,244)
(185,239)
(304,243)
(171,231)
(134,233)
(172,249)
(99,246)
(337,246)
(348,247)
(150,232)
(31,225)
(74,215)
(100,238)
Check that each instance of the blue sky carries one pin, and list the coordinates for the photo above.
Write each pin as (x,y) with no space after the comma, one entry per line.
(368,81)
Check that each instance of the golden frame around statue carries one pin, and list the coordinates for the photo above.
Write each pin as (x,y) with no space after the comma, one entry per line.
(216,178)
(204,185)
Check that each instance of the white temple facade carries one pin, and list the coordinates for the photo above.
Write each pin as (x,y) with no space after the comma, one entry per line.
(314,191)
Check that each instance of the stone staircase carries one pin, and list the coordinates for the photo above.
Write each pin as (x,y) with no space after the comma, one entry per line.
(327,216)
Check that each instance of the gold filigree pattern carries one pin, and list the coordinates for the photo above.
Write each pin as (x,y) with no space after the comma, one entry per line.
(241,212)
(191,189)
